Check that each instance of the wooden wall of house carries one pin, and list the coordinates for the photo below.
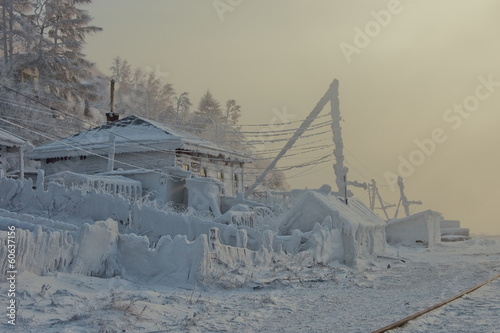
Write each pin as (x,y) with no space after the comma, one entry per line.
(96,164)
(230,173)
(148,160)
(87,165)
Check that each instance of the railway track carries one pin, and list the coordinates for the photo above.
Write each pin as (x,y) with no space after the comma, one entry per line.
(404,321)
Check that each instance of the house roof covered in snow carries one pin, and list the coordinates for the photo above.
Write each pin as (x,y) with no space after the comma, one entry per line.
(133,134)
(423,214)
(10,140)
(314,206)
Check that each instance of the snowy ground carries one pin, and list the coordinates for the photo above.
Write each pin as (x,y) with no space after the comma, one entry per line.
(287,298)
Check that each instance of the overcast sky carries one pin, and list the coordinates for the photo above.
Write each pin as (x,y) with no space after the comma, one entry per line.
(408,70)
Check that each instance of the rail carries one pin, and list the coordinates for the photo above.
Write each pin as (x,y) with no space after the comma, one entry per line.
(434,307)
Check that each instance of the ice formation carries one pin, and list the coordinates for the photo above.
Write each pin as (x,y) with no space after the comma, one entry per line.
(107,235)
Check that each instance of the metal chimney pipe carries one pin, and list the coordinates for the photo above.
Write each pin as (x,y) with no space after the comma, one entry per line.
(112,108)
(112,116)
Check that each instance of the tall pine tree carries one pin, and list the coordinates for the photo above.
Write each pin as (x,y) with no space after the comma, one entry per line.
(59,31)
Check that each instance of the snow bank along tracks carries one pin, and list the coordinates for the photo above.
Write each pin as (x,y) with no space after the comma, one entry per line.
(434,307)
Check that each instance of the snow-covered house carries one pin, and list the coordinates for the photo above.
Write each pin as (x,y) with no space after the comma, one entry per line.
(348,230)
(12,149)
(158,155)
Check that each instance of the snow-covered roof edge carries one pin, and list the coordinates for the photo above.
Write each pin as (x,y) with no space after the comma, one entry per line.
(10,140)
(354,208)
(412,216)
(356,212)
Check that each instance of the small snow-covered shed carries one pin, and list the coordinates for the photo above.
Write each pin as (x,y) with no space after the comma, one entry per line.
(12,149)
(137,143)
(423,227)
(355,226)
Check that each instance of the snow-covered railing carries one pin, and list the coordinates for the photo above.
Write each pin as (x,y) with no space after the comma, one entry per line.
(114,185)
(273,198)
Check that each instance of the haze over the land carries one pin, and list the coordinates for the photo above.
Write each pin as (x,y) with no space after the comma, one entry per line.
(408,70)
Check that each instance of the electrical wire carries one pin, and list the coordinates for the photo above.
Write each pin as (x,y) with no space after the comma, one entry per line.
(140,143)
(314,163)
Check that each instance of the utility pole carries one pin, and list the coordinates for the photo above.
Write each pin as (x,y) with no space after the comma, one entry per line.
(406,204)
(376,193)
(339,168)
(332,91)
(111,152)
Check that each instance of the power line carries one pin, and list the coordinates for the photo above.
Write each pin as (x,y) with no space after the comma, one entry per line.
(271,133)
(134,141)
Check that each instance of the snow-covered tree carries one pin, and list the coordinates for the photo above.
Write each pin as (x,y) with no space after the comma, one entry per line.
(48,77)
(209,107)
(13,28)
(183,104)
(121,72)
(141,93)
(232,112)
(55,53)
(275,179)
(206,119)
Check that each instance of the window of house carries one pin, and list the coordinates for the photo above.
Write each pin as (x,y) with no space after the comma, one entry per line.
(203,172)
(220,175)
(195,167)
(185,166)
(235,184)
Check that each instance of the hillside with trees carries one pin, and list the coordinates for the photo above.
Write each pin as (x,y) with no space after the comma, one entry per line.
(45,77)
(50,90)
